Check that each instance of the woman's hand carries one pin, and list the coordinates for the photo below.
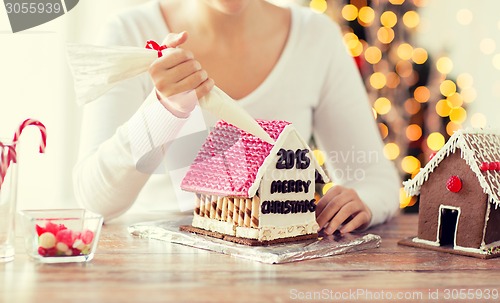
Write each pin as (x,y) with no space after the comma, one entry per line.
(341,205)
(177,72)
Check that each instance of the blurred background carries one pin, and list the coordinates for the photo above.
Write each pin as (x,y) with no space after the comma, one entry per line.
(430,67)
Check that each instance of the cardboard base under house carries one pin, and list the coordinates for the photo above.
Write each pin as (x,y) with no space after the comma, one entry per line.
(245,241)
(447,249)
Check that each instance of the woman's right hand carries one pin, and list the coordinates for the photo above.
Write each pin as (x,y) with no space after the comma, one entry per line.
(177,72)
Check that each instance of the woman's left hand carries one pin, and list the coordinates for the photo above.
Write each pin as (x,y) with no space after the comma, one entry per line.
(342,205)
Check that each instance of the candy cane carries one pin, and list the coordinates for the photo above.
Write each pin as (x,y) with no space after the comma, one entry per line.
(36,123)
(8,152)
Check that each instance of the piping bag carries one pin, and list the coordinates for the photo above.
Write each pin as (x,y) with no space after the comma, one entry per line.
(96,69)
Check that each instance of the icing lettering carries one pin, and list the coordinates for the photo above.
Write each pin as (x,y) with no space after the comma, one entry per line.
(290,186)
(288,206)
(289,159)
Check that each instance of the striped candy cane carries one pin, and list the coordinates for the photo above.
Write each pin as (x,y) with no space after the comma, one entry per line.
(8,152)
(33,122)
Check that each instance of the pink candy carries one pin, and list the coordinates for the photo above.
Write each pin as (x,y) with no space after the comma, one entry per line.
(57,240)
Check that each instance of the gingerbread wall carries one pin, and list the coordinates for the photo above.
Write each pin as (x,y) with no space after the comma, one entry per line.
(470,199)
(493,228)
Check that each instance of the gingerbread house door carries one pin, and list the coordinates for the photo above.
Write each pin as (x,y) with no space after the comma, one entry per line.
(448,223)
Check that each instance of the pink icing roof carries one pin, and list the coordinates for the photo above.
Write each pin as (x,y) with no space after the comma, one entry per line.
(228,161)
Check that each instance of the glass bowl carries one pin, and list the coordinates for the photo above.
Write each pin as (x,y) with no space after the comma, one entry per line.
(61,235)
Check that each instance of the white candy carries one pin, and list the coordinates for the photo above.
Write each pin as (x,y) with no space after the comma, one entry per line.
(62,247)
(47,240)
(79,244)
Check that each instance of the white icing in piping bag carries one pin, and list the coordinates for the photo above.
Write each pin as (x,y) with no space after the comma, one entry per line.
(224,107)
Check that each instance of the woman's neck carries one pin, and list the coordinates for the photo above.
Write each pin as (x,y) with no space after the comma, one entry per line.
(228,24)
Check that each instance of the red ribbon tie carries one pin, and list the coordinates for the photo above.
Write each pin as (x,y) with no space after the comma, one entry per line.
(151,44)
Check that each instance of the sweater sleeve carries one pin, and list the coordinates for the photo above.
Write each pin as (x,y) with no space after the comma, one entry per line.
(345,129)
(125,119)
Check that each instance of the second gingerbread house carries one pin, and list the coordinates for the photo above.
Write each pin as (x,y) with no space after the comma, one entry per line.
(459,196)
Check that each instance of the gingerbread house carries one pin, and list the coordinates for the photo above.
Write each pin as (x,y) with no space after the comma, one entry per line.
(252,192)
(459,196)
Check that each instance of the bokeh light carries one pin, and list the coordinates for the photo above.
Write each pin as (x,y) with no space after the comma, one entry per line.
(442,108)
(487,46)
(384,130)
(410,164)
(412,106)
(404,69)
(413,132)
(392,80)
(452,127)
(444,65)
(327,187)
(405,51)
(420,3)
(350,37)
(469,94)
(478,120)
(388,19)
(373,55)
(391,151)
(350,12)
(496,61)
(378,80)
(458,115)
(385,35)
(455,100)
(422,94)
(318,6)
(382,105)
(465,80)
(464,16)
(435,141)
(448,88)
(353,44)
(396,2)
(419,55)
(411,19)
(366,15)
(405,200)
(320,156)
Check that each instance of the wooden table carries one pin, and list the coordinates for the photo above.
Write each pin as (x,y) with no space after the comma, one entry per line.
(131,269)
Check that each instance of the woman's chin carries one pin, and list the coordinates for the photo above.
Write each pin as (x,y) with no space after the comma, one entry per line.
(229,7)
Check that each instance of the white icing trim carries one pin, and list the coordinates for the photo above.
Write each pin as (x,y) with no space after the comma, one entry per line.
(485,225)
(441,207)
(472,250)
(427,242)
